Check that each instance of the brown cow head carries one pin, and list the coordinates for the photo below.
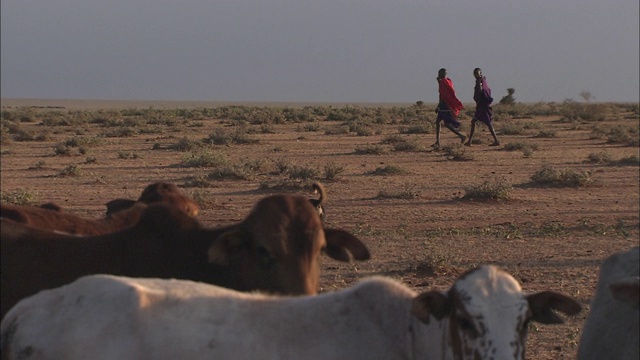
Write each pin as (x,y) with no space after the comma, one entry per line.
(278,246)
(159,192)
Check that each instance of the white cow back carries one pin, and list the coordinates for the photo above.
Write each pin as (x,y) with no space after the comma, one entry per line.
(612,328)
(110,317)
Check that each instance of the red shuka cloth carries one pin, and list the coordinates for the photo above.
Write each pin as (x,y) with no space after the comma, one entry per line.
(448,95)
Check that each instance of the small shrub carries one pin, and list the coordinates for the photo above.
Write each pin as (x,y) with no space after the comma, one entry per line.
(359,128)
(417,129)
(599,158)
(19,197)
(407,193)
(489,190)
(204,158)
(267,129)
(203,197)
(222,137)
(456,152)
(551,228)
(61,149)
(337,130)
(546,134)
(388,170)
(513,146)
(629,160)
(235,171)
(82,141)
(198,182)
(512,128)
(120,132)
(70,171)
(407,145)
(532,125)
(370,150)
(243,171)
(184,144)
(561,178)
(597,133)
(152,130)
(332,171)
(311,127)
(622,135)
(282,166)
(23,135)
(363,131)
(127,155)
(526,148)
(393,138)
(302,173)
(39,165)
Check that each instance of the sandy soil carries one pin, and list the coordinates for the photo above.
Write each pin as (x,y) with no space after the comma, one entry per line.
(548,238)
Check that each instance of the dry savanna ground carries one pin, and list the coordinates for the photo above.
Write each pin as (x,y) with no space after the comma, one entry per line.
(548,205)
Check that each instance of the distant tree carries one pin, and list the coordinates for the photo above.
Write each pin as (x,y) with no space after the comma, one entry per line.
(419,107)
(509,99)
(586,95)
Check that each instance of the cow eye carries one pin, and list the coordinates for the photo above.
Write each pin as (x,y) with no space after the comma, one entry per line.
(264,257)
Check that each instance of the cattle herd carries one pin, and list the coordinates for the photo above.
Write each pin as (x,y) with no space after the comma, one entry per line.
(150,281)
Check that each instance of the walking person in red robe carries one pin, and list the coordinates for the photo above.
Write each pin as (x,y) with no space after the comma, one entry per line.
(484,113)
(448,107)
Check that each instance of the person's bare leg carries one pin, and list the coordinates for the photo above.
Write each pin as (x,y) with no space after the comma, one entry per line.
(495,137)
(437,144)
(473,129)
(455,131)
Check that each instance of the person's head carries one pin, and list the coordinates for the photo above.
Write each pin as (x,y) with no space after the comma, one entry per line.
(477,72)
(442,73)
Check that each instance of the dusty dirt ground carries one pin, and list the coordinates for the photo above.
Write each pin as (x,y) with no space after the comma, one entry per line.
(548,238)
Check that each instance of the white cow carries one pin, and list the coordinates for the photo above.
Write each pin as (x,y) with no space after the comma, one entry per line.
(483,316)
(611,330)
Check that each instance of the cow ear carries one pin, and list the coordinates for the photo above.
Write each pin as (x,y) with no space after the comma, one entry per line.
(430,303)
(340,243)
(224,246)
(116,205)
(544,303)
(51,206)
(626,290)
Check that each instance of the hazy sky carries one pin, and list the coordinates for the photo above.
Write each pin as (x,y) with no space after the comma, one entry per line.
(318,50)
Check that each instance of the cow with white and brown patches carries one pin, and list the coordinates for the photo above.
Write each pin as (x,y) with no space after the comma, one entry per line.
(277,248)
(484,315)
(163,192)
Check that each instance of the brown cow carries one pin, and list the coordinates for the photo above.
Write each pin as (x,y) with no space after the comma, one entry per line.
(157,192)
(276,248)
(47,218)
